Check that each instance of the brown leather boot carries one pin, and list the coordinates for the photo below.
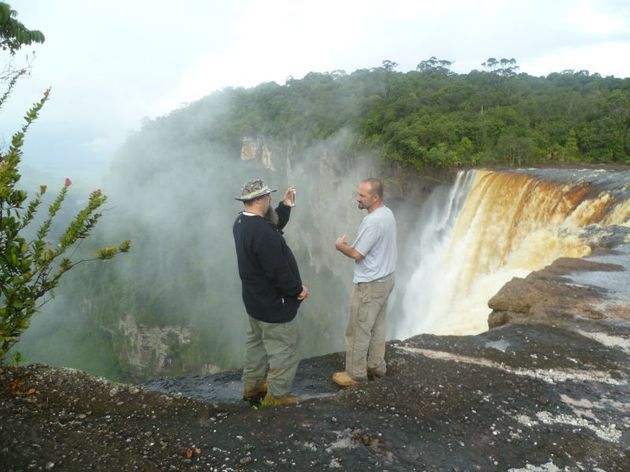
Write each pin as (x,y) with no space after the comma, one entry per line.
(270,400)
(255,392)
(343,379)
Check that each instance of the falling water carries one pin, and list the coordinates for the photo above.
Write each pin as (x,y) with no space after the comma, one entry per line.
(491,227)
(424,254)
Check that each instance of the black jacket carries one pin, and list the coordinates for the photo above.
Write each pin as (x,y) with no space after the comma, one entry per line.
(267,267)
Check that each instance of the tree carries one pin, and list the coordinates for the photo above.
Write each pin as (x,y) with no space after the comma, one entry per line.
(515,149)
(13,34)
(490,64)
(503,67)
(388,65)
(508,67)
(30,270)
(433,64)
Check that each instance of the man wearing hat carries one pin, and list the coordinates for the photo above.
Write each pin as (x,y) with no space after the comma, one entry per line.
(272,292)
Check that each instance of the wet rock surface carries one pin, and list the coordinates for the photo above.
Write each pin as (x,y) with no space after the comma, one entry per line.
(595,287)
(547,390)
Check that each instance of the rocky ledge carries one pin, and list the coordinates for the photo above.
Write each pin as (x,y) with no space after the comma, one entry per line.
(547,389)
(596,287)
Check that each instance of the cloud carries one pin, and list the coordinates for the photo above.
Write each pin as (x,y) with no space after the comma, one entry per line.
(111,65)
(273,43)
(588,17)
(594,58)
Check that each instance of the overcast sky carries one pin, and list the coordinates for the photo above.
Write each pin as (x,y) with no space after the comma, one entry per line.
(111,64)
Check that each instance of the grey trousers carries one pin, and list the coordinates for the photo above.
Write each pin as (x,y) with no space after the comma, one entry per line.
(271,353)
(367,330)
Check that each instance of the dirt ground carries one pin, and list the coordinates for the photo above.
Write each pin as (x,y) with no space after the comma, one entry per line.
(520,397)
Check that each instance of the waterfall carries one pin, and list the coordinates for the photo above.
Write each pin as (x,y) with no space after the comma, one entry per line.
(487,228)
(422,258)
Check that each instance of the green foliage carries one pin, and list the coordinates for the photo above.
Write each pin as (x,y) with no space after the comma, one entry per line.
(503,67)
(30,270)
(13,34)
(433,64)
(432,117)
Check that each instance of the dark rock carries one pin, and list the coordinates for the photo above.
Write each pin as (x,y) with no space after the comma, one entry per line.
(549,394)
(549,296)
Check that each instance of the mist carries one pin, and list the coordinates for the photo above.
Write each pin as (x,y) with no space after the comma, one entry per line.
(177,293)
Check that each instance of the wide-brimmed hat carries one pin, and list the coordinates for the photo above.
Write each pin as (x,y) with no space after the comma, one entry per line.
(253,189)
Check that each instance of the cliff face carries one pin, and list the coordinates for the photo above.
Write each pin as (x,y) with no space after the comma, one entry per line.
(151,351)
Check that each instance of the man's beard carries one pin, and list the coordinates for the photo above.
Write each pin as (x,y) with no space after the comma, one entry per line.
(361,206)
(272,216)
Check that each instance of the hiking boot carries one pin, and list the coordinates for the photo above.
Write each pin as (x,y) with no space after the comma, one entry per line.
(343,379)
(255,392)
(270,400)
(374,374)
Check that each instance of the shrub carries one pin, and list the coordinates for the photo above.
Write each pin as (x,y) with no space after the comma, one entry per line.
(31,269)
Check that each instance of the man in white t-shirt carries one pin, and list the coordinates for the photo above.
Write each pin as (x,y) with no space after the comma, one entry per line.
(374,252)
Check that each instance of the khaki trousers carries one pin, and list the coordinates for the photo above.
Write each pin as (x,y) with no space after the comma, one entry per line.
(366,331)
(271,353)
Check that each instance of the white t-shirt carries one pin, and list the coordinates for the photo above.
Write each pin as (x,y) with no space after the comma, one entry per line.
(376,240)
